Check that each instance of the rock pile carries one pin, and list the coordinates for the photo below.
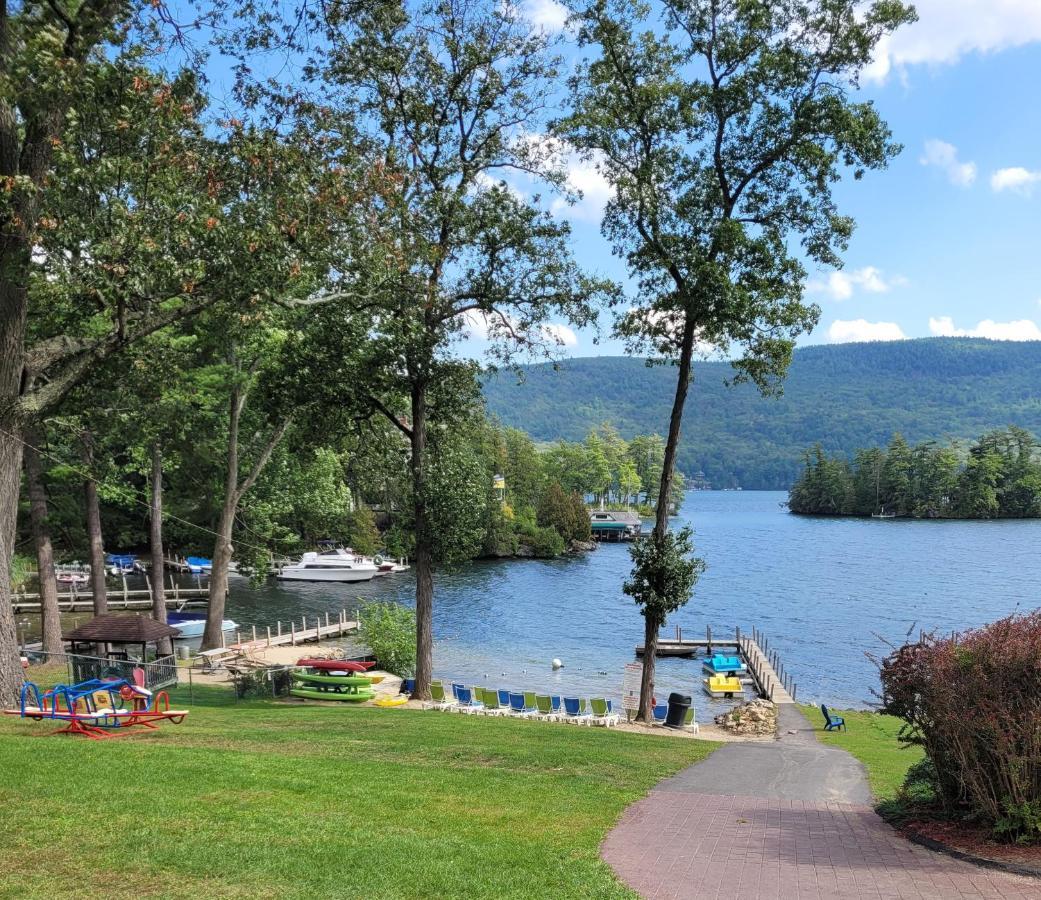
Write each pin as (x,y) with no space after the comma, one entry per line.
(755,717)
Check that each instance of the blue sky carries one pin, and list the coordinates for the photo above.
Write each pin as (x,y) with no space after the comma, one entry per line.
(947,238)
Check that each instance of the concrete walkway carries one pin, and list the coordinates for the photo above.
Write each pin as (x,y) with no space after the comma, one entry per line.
(790,820)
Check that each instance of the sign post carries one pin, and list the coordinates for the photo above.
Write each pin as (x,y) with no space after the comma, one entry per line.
(631,679)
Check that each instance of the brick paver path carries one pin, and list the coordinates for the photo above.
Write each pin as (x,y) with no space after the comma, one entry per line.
(684,841)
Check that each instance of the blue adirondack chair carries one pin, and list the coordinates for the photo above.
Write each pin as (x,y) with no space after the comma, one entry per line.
(832,722)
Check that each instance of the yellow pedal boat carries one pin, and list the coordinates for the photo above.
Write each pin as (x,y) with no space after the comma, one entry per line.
(723,686)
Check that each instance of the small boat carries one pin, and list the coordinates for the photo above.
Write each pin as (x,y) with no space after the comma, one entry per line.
(72,576)
(723,686)
(199,565)
(122,563)
(882,514)
(336,665)
(191,625)
(724,665)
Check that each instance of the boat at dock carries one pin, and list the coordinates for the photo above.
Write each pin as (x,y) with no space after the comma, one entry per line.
(338,564)
(199,565)
(723,686)
(122,564)
(724,665)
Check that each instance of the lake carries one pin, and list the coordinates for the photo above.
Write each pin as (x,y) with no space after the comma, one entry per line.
(825,591)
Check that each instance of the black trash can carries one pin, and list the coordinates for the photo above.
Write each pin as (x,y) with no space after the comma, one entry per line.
(678,706)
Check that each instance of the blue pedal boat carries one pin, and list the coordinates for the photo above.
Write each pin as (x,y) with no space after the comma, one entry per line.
(724,665)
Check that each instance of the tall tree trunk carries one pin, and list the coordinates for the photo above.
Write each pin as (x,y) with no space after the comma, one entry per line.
(222,551)
(213,635)
(424,563)
(14,261)
(234,491)
(50,616)
(94,537)
(661,515)
(158,567)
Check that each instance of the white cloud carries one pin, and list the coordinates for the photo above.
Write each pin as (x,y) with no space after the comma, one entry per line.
(560,334)
(851,330)
(841,285)
(583,176)
(1018,330)
(947,30)
(480,326)
(1016,179)
(547,14)
(944,156)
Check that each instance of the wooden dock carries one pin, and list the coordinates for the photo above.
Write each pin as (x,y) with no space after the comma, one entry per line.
(765,668)
(297,631)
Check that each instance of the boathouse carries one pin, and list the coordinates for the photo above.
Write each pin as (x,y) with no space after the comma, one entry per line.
(614,525)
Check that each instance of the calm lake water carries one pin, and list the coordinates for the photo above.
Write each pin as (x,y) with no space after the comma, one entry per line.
(825,592)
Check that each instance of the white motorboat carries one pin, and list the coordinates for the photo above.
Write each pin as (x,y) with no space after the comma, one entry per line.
(337,564)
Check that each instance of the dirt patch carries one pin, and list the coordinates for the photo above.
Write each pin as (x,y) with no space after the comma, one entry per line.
(976,841)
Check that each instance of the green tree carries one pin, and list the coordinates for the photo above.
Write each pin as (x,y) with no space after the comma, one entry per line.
(896,495)
(523,470)
(663,577)
(647,452)
(364,535)
(722,128)
(101,154)
(628,481)
(441,89)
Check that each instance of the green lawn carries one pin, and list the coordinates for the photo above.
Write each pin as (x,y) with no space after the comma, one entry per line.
(287,800)
(871,738)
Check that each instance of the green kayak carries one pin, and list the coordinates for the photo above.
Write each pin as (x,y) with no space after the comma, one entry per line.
(341,680)
(314,694)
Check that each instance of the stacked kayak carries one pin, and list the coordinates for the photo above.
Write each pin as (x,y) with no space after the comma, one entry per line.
(330,679)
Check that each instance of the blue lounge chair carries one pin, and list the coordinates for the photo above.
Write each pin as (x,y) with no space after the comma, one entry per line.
(832,722)
(517,706)
(556,704)
(504,697)
(660,712)
(408,685)
(574,709)
(467,702)
(456,687)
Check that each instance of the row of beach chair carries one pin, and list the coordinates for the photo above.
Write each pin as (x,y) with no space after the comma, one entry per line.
(527,704)
(522,704)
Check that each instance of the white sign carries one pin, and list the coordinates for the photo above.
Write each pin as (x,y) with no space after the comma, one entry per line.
(631,679)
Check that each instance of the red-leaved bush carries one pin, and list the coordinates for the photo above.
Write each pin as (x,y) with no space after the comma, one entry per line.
(973,702)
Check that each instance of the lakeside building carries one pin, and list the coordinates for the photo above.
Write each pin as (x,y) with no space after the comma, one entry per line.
(614,525)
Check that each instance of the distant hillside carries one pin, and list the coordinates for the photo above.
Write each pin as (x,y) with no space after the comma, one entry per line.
(845,396)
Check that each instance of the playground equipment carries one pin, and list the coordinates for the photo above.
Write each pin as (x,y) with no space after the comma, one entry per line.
(97,709)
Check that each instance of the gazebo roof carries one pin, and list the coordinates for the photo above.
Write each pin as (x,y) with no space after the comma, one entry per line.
(114,629)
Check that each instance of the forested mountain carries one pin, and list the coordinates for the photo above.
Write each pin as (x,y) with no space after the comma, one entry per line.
(843,396)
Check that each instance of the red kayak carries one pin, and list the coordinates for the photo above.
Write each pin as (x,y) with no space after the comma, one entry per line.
(335,665)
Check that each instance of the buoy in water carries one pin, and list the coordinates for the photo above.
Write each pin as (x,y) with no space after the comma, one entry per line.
(557,664)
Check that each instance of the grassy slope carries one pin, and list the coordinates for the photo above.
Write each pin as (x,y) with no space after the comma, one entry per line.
(266,800)
(871,738)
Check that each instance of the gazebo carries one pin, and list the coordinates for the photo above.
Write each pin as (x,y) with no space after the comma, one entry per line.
(126,632)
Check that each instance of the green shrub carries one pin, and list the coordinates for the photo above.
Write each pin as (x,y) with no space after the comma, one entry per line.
(389,631)
(545,543)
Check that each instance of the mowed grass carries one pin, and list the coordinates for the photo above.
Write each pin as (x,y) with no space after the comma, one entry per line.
(871,738)
(288,800)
